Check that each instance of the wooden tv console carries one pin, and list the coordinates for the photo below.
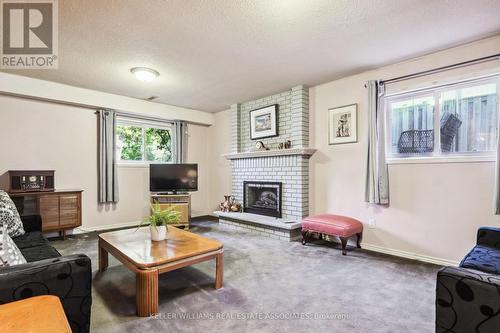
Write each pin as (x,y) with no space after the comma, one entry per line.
(179,202)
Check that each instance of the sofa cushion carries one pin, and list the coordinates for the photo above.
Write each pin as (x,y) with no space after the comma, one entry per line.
(37,253)
(483,258)
(10,254)
(9,217)
(30,239)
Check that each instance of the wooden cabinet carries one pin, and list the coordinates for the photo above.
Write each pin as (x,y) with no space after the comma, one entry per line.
(49,210)
(60,210)
(69,210)
(178,202)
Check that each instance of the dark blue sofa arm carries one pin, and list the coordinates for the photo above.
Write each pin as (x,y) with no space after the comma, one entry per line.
(69,277)
(489,236)
(467,301)
(32,223)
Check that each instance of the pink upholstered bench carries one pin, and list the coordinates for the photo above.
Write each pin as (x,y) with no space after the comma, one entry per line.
(333,225)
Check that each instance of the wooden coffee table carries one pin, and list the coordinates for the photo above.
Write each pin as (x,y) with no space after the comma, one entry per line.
(148,259)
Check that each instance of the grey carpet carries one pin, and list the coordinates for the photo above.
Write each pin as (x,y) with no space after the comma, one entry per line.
(270,280)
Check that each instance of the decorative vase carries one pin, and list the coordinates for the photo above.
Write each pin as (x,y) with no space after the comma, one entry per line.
(235,207)
(226,205)
(158,233)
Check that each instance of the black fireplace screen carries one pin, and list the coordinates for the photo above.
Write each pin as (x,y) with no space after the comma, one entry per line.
(262,198)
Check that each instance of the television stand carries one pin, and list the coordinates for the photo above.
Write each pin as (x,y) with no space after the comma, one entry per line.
(170,193)
(178,202)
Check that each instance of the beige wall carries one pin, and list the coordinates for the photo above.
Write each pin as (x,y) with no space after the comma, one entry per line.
(220,175)
(41,135)
(199,152)
(435,209)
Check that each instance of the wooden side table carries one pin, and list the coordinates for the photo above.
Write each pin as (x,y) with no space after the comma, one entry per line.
(39,314)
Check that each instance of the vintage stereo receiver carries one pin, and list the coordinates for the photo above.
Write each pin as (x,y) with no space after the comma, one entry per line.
(31,180)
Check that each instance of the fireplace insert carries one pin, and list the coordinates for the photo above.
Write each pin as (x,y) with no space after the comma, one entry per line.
(262,198)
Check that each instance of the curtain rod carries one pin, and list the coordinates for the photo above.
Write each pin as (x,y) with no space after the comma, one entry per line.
(442,69)
(139,116)
(442,85)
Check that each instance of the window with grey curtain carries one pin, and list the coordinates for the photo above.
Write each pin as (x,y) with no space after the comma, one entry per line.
(179,146)
(377,180)
(108,177)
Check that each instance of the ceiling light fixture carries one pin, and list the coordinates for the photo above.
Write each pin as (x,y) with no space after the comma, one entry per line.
(144,74)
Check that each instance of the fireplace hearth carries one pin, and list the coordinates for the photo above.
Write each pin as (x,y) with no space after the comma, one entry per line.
(262,198)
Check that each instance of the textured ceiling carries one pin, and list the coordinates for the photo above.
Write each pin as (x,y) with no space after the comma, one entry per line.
(217,52)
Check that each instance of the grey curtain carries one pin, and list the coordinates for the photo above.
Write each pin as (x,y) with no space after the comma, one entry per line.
(179,147)
(377,180)
(497,173)
(108,177)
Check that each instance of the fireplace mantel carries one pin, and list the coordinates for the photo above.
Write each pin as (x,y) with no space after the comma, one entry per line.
(269,153)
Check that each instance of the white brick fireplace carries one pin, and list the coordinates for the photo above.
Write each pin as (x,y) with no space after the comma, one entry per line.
(291,170)
(290,167)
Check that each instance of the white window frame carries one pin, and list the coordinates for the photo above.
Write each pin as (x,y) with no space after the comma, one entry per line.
(143,124)
(437,156)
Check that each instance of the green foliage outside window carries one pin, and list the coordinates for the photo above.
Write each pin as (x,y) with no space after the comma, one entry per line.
(129,139)
(156,144)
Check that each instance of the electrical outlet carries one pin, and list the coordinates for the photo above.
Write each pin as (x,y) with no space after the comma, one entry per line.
(372,224)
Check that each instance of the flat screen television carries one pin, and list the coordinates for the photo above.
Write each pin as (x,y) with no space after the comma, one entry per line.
(173,177)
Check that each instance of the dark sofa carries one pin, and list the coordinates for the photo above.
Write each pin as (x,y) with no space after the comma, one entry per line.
(468,296)
(49,273)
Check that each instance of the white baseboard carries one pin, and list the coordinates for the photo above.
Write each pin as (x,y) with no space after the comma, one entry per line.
(81,230)
(409,255)
(399,253)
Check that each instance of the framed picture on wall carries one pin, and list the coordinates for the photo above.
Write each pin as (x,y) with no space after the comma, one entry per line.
(343,124)
(264,122)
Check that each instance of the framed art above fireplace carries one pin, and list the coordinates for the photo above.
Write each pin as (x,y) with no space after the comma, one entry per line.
(264,122)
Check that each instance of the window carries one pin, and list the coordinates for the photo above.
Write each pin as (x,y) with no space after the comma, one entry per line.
(456,120)
(140,142)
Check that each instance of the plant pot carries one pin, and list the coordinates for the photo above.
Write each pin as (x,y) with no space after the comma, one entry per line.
(158,233)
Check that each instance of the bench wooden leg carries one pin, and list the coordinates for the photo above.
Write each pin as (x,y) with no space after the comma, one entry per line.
(304,237)
(343,240)
(359,238)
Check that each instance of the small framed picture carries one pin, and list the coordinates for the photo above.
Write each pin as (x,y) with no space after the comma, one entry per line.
(343,124)
(264,122)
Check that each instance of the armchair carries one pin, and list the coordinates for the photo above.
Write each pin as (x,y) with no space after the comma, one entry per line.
(468,296)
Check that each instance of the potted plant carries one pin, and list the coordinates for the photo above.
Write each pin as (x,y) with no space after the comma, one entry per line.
(159,219)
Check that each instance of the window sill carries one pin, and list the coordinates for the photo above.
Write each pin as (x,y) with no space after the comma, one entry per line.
(441,159)
(133,165)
